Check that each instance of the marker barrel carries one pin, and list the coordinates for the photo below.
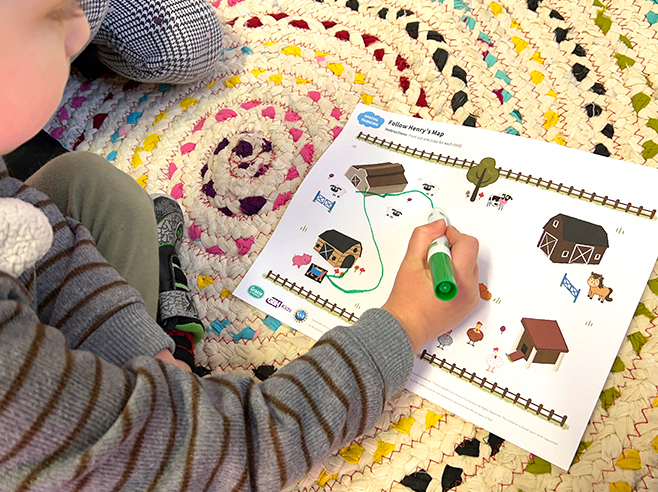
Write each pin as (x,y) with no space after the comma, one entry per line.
(440,262)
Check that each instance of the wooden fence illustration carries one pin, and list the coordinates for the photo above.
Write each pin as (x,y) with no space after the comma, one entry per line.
(504,393)
(311,297)
(545,184)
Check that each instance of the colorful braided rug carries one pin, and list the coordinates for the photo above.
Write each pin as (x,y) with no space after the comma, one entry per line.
(234,148)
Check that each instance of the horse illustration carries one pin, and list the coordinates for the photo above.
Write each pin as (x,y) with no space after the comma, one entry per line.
(596,288)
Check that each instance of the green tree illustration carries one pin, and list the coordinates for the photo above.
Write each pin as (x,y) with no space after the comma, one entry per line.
(484,174)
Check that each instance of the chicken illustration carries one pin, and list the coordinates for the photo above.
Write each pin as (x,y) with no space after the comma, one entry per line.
(475,334)
(444,340)
(494,361)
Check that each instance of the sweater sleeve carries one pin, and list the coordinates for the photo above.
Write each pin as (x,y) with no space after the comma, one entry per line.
(69,420)
(80,294)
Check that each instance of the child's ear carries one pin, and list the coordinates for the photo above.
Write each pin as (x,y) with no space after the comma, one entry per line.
(25,236)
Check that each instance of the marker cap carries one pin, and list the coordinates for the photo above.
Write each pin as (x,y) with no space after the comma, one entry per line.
(445,287)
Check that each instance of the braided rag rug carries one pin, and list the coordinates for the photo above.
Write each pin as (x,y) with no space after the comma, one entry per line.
(232,150)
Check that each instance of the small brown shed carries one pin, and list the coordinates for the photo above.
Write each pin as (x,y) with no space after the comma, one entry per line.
(569,240)
(540,342)
(339,250)
(386,177)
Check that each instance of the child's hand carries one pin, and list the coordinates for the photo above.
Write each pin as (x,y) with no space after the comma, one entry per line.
(166,356)
(412,300)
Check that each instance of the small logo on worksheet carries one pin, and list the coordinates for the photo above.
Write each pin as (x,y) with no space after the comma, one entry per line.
(300,315)
(255,291)
(276,303)
(370,119)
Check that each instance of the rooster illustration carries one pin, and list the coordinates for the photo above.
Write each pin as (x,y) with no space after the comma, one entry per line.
(494,361)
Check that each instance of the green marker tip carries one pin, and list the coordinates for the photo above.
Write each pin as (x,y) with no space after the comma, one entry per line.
(445,287)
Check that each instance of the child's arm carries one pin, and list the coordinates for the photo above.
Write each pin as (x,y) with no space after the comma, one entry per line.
(68,417)
(79,293)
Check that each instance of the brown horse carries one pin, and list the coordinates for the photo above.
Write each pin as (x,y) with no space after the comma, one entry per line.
(596,288)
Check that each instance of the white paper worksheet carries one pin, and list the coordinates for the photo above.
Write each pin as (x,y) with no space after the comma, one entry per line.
(568,240)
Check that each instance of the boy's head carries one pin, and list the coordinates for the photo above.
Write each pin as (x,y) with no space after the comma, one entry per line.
(37,39)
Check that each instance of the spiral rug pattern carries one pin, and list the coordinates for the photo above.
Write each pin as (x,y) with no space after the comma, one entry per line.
(232,149)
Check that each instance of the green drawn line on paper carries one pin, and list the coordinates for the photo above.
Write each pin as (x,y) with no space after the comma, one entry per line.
(372,235)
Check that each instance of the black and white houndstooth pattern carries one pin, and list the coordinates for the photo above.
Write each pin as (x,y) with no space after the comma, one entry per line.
(175,41)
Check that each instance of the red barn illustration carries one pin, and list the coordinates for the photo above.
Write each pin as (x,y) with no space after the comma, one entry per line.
(569,240)
(540,342)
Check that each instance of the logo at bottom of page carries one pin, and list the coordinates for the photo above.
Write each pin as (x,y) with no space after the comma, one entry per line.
(256,291)
(301,316)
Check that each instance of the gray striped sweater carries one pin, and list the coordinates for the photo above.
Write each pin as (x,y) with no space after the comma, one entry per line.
(82,407)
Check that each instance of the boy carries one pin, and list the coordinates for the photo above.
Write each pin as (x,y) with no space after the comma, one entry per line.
(80,410)
(172,41)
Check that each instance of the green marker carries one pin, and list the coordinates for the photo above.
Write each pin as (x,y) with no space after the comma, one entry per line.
(440,262)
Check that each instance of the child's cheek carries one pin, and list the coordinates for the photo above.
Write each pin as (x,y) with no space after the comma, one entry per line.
(77,35)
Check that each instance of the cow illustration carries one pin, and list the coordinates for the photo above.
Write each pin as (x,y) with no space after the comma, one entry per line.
(498,201)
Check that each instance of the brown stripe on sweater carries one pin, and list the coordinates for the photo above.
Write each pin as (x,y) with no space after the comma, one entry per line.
(18,309)
(135,451)
(82,484)
(242,482)
(25,292)
(4,174)
(126,414)
(249,438)
(62,254)
(357,377)
(223,452)
(228,385)
(99,321)
(87,267)
(20,190)
(332,386)
(307,396)
(195,393)
(28,482)
(173,428)
(279,405)
(43,203)
(28,362)
(48,408)
(30,280)
(88,298)
(59,225)
(126,420)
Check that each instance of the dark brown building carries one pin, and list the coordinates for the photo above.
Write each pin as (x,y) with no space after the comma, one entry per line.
(569,240)
(540,342)
(386,177)
(339,250)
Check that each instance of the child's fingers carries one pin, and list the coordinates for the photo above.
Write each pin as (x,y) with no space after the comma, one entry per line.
(463,248)
(420,240)
(464,261)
